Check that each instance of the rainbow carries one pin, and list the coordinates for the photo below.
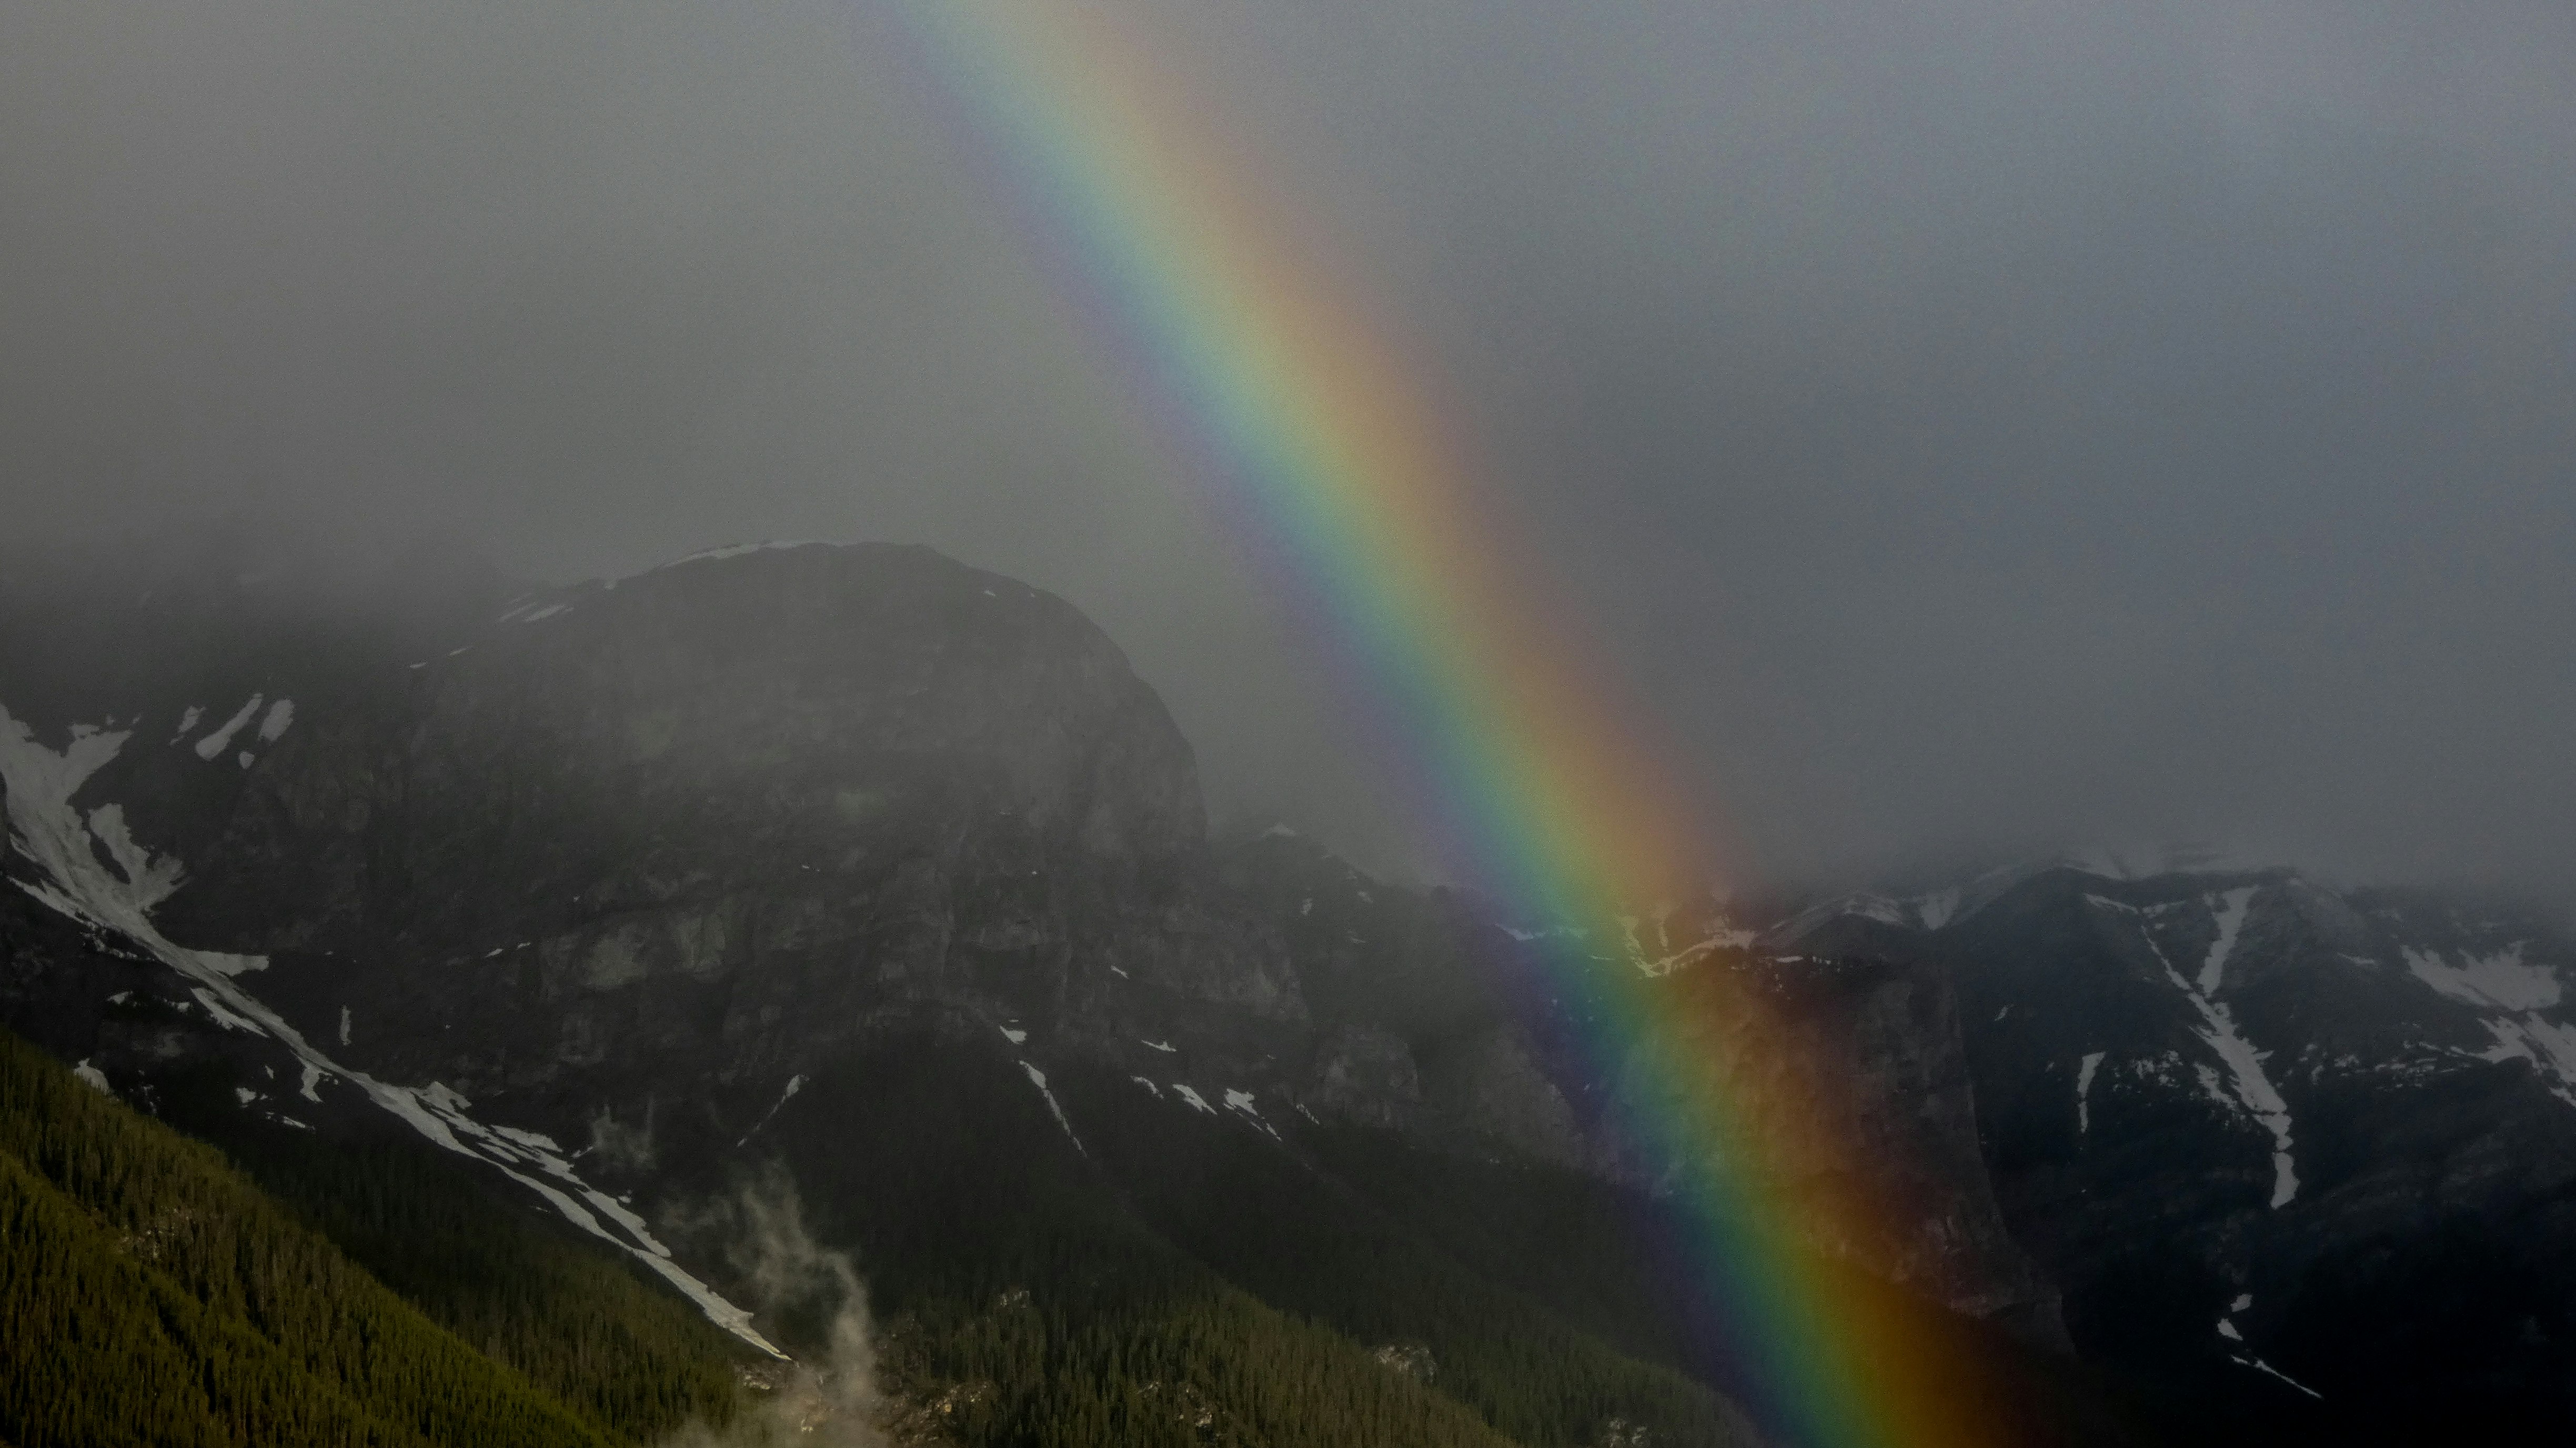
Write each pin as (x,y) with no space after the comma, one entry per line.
(1316,440)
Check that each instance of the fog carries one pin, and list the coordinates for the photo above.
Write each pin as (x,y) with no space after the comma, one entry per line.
(1970,426)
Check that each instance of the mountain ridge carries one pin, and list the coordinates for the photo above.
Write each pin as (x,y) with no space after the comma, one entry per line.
(591,888)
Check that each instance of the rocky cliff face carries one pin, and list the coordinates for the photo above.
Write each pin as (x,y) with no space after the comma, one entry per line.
(1857,1070)
(1429,1018)
(622,864)
(2256,1126)
(720,817)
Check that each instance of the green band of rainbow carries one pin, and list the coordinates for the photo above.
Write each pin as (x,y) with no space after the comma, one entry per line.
(1305,427)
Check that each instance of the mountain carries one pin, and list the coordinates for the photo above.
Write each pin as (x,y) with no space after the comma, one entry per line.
(857,890)
(2256,1126)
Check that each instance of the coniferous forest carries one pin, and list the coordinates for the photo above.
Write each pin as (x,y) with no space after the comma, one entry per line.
(152,1293)
(280,1289)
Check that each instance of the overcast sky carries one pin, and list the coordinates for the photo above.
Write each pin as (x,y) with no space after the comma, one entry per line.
(1974,424)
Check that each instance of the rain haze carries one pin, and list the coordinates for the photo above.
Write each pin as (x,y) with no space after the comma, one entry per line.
(1969,426)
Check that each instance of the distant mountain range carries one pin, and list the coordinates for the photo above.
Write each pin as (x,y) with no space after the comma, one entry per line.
(622,908)
(2244,1119)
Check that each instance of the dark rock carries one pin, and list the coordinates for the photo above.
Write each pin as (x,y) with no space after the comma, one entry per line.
(2240,1117)
(622,861)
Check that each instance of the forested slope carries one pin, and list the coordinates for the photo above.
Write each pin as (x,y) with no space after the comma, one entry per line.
(1177,1278)
(529,1293)
(153,1291)
(149,1293)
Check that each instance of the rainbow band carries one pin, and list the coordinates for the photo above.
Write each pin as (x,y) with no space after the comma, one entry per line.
(1306,430)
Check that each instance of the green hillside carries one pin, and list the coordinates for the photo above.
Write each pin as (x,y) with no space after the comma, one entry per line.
(527,1290)
(149,1293)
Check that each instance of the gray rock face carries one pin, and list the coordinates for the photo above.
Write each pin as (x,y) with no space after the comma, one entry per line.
(705,729)
(624,861)
(1852,1069)
(1367,1075)
(1417,996)
(1489,1087)
(2240,1117)
(725,814)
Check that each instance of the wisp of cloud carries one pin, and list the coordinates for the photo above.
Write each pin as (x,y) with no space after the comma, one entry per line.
(828,1396)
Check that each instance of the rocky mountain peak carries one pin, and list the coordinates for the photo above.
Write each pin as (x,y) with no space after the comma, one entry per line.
(715,725)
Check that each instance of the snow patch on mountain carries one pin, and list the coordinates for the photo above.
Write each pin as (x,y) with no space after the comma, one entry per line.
(2260,1366)
(737,550)
(222,739)
(2227,1329)
(1877,907)
(1932,910)
(1691,954)
(49,831)
(2500,981)
(2549,1046)
(42,821)
(1038,1079)
(2084,1092)
(229,1020)
(2252,1092)
(1862,905)
(1242,1101)
(2510,995)
(151,878)
(794,1085)
(440,1114)
(537,1140)
(2229,909)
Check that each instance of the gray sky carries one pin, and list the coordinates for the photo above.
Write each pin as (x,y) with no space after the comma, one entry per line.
(1973,424)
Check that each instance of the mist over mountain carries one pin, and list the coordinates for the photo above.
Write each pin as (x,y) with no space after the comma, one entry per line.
(1977,425)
